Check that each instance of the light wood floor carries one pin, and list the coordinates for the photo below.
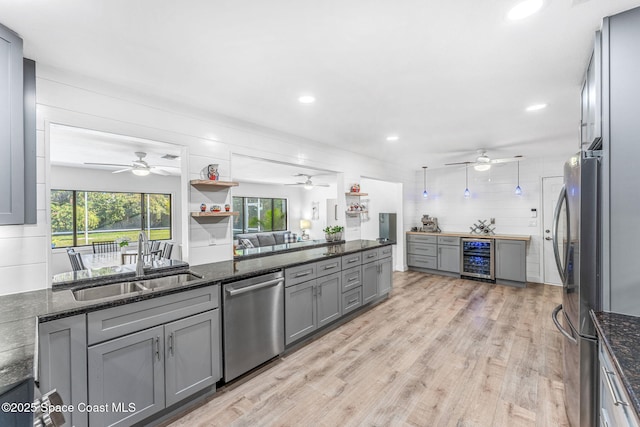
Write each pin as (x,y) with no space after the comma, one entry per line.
(440,352)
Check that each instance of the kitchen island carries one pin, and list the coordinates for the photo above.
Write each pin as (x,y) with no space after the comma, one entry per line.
(25,311)
(619,340)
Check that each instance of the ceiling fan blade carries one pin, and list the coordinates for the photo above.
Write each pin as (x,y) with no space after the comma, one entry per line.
(459,163)
(507,160)
(164,167)
(297,183)
(108,164)
(321,185)
(122,170)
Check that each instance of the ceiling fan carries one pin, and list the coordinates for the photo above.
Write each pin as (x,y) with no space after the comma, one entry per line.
(308,184)
(137,167)
(483,162)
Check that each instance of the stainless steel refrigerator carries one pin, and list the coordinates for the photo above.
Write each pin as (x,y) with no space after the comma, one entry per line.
(576,241)
(387,227)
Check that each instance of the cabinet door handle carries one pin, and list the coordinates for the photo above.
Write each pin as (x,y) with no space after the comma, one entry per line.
(320,290)
(607,377)
(171,344)
(158,347)
(329,267)
(306,273)
(352,279)
(371,255)
(352,260)
(353,301)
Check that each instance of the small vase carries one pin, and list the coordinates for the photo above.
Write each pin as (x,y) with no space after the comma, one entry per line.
(329,237)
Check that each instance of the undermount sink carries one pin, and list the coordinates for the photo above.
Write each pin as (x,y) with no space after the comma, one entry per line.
(166,281)
(129,287)
(105,291)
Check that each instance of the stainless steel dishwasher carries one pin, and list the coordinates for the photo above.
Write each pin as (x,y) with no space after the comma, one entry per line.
(253,322)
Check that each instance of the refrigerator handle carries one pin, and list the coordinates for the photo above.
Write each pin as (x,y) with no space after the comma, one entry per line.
(563,331)
(556,219)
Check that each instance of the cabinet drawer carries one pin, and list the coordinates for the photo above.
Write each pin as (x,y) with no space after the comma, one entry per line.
(417,238)
(422,249)
(370,255)
(329,266)
(299,274)
(351,278)
(351,260)
(351,300)
(422,261)
(385,252)
(449,240)
(114,322)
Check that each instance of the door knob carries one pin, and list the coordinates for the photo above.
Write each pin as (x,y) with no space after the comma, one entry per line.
(548,238)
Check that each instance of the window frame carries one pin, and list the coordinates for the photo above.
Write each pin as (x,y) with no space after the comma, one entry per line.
(244,214)
(143,213)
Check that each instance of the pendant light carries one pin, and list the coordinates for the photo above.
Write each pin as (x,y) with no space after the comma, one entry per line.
(518,189)
(424,193)
(467,193)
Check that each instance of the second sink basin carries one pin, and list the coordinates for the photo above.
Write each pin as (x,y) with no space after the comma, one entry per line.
(163,282)
(129,287)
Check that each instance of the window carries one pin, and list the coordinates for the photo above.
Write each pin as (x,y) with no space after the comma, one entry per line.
(79,218)
(259,214)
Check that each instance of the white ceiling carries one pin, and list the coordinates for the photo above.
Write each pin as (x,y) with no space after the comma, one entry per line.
(448,77)
(73,147)
(252,169)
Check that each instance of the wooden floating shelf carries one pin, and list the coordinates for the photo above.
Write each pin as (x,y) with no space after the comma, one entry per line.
(357,194)
(356,212)
(213,214)
(214,183)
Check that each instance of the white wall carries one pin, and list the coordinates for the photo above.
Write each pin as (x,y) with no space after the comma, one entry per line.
(492,196)
(318,195)
(69,99)
(384,197)
(67,178)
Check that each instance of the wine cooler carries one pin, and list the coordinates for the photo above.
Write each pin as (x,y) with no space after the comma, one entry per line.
(477,258)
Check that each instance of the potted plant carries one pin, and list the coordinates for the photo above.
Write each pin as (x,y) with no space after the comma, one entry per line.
(337,232)
(328,233)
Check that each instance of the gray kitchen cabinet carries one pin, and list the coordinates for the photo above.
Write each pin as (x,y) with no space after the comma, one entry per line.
(377,275)
(615,405)
(351,300)
(62,356)
(154,368)
(370,273)
(312,305)
(511,261)
(329,298)
(300,311)
(11,128)
(127,370)
(449,258)
(192,360)
(385,276)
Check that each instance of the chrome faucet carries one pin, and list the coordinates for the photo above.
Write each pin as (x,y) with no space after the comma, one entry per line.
(143,251)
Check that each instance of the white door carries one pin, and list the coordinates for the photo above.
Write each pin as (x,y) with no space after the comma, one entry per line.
(550,190)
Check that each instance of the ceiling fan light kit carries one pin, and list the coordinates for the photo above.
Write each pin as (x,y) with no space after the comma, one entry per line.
(137,167)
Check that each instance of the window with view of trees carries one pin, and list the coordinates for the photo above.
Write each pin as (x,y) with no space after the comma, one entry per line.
(79,218)
(259,214)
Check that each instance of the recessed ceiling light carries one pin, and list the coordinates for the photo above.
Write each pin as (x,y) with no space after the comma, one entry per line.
(392,138)
(307,99)
(524,9)
(536,107)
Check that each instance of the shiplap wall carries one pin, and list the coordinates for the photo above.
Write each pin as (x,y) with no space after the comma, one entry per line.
(69,99)
(492,196)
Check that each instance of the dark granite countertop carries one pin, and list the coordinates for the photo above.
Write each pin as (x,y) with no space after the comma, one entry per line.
(21,312)
(621,336)
(247,253)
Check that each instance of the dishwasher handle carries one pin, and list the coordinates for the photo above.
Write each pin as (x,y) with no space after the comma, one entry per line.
(231,291)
